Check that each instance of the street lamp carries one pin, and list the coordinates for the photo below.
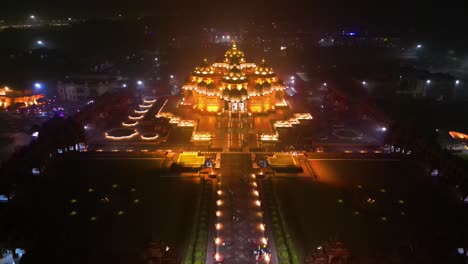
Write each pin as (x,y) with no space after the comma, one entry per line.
(364,82)
(418,46)
(38,85)
(457,82)
(32,17)
(139,82)
(428,82)
(40,42)
(172,76)
(325,84)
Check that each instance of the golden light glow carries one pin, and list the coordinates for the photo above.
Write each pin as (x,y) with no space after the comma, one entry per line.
(219,202)
(218,213)
(146,105)
(187,123)
(458,135)
(258,203)
(269,137)
(202,136)
(141,111)
(146,137)
(107,136)
(135,117)
(256,193)
(305,116)
(129,123)
(217,241)
(264,241)
(262,227)
(218,226)
(212,108)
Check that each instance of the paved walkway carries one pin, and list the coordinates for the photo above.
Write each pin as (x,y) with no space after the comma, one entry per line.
(239,217)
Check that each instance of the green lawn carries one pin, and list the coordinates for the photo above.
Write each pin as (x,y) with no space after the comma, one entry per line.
(406,208)
(140,206)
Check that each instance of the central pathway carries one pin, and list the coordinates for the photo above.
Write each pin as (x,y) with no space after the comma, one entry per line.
(239,225)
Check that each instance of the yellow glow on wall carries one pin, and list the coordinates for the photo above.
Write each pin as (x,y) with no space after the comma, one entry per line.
(212,108)
(256,108)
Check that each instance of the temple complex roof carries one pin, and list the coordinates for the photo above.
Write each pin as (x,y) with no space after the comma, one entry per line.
(234,55)
(263,70)
(235,76)
(205,69)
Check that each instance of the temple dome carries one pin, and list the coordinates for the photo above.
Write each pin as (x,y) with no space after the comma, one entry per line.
(235,76)
(258,89)
(234,55)
(211,89)
(263,70)
(205,69)
(225,94)
(243,94)
(266,87)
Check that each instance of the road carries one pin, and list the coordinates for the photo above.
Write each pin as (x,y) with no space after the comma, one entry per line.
(239,216)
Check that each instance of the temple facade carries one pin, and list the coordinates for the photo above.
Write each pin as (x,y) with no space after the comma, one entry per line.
(234,85)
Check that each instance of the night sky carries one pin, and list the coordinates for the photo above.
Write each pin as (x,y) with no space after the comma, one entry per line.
(439,20)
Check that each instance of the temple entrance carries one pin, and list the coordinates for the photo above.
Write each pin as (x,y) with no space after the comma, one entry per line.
(235,107)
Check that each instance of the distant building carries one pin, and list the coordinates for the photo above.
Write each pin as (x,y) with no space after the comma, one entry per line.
(234,85)
(21,98)
(84,87)
(438,86)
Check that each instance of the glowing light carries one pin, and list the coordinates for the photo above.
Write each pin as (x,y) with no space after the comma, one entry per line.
(218,213)
(135,117)
(364,82)
(264,241)
(133,134)
(267,258)
(219,192)
(457,82)
(219,202)
(141,111)
(256,193)
(186,123)
(145,105)
(149,137)
(149,101)
(302,116)
(38,85)
(40,42)
(218,226)
(217,257)
(129,123)
(257,203)
(418,46)
(254,184)
(428,81)
(269,137)
(140,82)
(262,227)
(217,241)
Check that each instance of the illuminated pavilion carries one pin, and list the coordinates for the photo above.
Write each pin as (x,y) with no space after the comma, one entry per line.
(234,85)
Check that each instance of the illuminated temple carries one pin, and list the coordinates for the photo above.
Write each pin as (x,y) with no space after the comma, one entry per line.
(234,85)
